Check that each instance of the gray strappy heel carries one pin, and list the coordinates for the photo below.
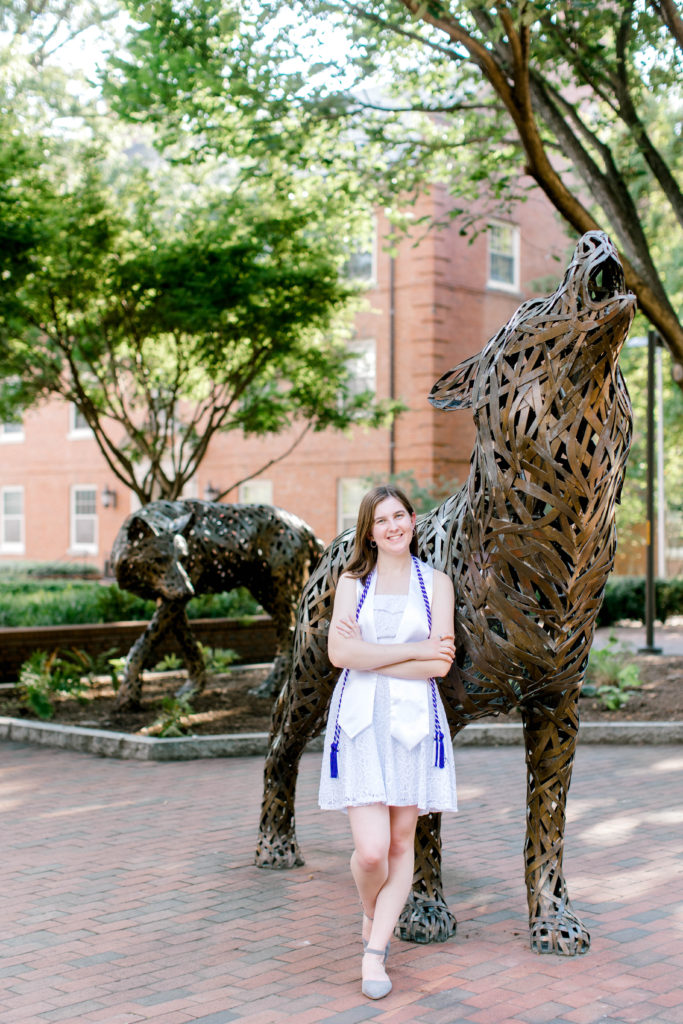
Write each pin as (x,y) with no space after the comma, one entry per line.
(376,989)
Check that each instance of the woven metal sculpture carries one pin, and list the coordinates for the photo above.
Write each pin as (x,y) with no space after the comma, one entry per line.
(173,550)
(529,541)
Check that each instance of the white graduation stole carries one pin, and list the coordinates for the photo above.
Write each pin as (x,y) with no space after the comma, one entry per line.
(409,698)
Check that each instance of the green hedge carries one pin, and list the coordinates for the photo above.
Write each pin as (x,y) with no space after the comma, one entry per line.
(59,602)
(25,602)
(625,599)
(48,570)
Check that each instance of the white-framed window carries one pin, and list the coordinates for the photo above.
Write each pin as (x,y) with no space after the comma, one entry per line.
(350,491)
(363,365)
(11,432)
(12,520)
(361,264)
(83,519)
(78,425)
(503,256)
(256,492)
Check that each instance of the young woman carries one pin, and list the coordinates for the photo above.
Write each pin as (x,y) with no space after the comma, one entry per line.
(388,755)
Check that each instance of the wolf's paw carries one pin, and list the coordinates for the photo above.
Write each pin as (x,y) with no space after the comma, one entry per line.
(425,920)
(563,934)
(279,853)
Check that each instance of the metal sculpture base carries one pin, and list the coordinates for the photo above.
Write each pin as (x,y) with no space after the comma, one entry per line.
(173,550)
(529,542)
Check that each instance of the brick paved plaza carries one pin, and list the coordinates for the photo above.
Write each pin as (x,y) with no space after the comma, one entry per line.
(129,895)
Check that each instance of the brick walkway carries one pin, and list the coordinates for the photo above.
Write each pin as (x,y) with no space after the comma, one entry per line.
(129,895)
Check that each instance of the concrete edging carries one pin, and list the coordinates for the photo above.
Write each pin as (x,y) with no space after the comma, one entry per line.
(104,743)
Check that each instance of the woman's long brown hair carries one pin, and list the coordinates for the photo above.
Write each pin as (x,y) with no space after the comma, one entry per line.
(364,557)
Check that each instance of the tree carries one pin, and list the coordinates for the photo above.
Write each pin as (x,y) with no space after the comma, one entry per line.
(582,96)
(167,320)
(579,84)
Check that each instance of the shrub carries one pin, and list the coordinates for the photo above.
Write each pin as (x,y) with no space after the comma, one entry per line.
(610,675)
(170,722)
(218,659)
(25,602)
(49,570)
(625,599)
(44,675)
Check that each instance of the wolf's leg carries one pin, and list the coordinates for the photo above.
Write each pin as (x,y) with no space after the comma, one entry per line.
(139,655)
(426,917)
(550,737)
(298,715)
(191,652)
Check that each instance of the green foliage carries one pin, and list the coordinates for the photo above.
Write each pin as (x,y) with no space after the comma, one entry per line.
(218,659)
(167,324)
(625,599)
(25,602)
(47,570)
(170,722)
(473,95)
(169,663)
(610,675)
(46,675)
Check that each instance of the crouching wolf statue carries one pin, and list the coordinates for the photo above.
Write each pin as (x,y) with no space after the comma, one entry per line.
(528,541)
(172,550)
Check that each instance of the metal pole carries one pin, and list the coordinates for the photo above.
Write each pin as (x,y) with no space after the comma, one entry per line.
(650,609)
(392,361)
(661,496)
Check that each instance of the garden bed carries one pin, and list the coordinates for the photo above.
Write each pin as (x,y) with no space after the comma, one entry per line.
(228,704)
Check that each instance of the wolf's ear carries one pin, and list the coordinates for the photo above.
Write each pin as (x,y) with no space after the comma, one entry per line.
(454,389)
(180,523)
(140,529)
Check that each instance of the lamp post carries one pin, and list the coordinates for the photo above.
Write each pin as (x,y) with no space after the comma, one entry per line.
(650,604)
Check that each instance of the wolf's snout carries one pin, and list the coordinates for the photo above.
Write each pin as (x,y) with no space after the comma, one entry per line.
(606,281)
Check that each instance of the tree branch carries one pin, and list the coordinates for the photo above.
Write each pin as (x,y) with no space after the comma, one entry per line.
(267,465)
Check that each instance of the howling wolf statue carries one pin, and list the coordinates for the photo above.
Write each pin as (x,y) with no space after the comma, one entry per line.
(528,541)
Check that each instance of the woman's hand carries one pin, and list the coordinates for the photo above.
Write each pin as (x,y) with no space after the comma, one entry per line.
(349,629)
(439,647)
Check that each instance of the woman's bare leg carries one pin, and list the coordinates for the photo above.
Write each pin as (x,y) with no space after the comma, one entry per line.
(371,831)
(382,866)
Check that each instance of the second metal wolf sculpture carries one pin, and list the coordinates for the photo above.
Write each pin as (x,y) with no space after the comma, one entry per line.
(172,550)
(529,541)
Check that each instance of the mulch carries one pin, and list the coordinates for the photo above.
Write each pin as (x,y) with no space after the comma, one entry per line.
(229,705)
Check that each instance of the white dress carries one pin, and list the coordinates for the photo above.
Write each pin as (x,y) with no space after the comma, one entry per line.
(374,767)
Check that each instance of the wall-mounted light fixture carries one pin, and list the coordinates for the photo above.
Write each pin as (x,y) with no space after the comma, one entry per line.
(108,497)
(210,492)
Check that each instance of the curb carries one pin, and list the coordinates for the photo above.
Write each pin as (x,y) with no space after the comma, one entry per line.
(127,746)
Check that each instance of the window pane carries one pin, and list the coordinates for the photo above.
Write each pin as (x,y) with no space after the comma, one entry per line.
(12,531)
(13,503)
(502,268)
(351,492)
(78,420)
(84,502)
(502,242)
(84,531)
(257,492)
(363,366)
(15,427)
(358,267)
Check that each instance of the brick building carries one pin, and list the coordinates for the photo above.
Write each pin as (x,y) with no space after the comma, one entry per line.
(433,304)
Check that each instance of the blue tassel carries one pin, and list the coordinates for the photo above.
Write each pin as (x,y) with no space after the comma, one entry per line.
(440,759)
(334,769)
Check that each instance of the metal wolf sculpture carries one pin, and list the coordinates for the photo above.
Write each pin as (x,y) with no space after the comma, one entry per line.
(529,541)
(172,550)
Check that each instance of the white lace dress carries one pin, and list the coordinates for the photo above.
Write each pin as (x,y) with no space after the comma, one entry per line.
(375,768)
